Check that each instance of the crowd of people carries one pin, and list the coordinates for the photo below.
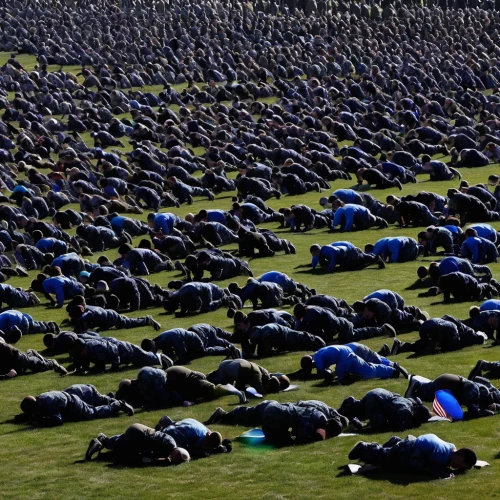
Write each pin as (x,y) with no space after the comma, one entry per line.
(281,98)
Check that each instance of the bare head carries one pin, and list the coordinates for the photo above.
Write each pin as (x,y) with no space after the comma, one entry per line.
(179,455)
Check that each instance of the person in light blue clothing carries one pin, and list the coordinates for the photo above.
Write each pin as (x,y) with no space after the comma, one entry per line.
(486,231)
(396,249)
(346,363)
(61,286)
(165,222)
(425,453)
(479,250)
(289,286)
(452,265)
(490,305)
(351,216)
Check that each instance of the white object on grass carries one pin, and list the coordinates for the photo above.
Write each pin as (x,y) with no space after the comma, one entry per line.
(291,387)
(437,418)
(253,393)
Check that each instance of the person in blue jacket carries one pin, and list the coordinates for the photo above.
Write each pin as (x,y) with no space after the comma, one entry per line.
(347,363)
(62,287)
(427,453)
(165,222)
(121,224)
(350,217)
(16,321)
(289,286)
(451,265)
(486,231)
(49,245)
(479,250)
(396,249)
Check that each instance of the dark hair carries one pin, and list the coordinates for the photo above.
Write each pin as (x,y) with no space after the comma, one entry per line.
(474,311)
(148,345)
(468,456)
(214,440)
(422,272)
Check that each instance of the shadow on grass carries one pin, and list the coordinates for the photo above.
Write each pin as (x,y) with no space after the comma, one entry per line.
(419,284)
(393,477)
(20,427)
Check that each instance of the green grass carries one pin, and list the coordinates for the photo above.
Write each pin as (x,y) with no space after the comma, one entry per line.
(46,463)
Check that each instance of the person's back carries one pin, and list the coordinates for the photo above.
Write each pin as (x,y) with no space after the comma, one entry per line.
(330,355)
(490,305)
(433,450)
(188,433)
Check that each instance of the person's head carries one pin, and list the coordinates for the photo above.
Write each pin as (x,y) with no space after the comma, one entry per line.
(174,285)
(337,204)
(148,345)
(421,414)
(75,310)
(323,201)
(272,384)
(83,277)
(425,159)
(37,285)
(37,235)
(333,428)
(474,311)
(212,440)
(240,322)
(102,286)
(179,456)
(463,459)
(493,180)
(151,219)
(284,382)
(494,322)
(422,272)
(315,250)
(422,237)
(124,250)
(307,362)
(144,243)
(112,302)
(299,310)
(233,288)
(434,271)
(191,262)
(13,335)
(369,248)
(78,348)
(49,340)
(127,391)
(470,232)
(28,405)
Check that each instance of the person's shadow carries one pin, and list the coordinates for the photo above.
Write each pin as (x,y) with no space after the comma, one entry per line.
(392,476)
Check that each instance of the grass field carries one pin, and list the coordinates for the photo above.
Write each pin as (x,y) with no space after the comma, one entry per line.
(47,463)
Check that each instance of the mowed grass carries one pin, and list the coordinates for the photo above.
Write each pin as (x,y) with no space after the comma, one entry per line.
(47,463)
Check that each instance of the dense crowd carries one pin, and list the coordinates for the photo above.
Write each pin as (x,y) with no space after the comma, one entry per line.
(286,98)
